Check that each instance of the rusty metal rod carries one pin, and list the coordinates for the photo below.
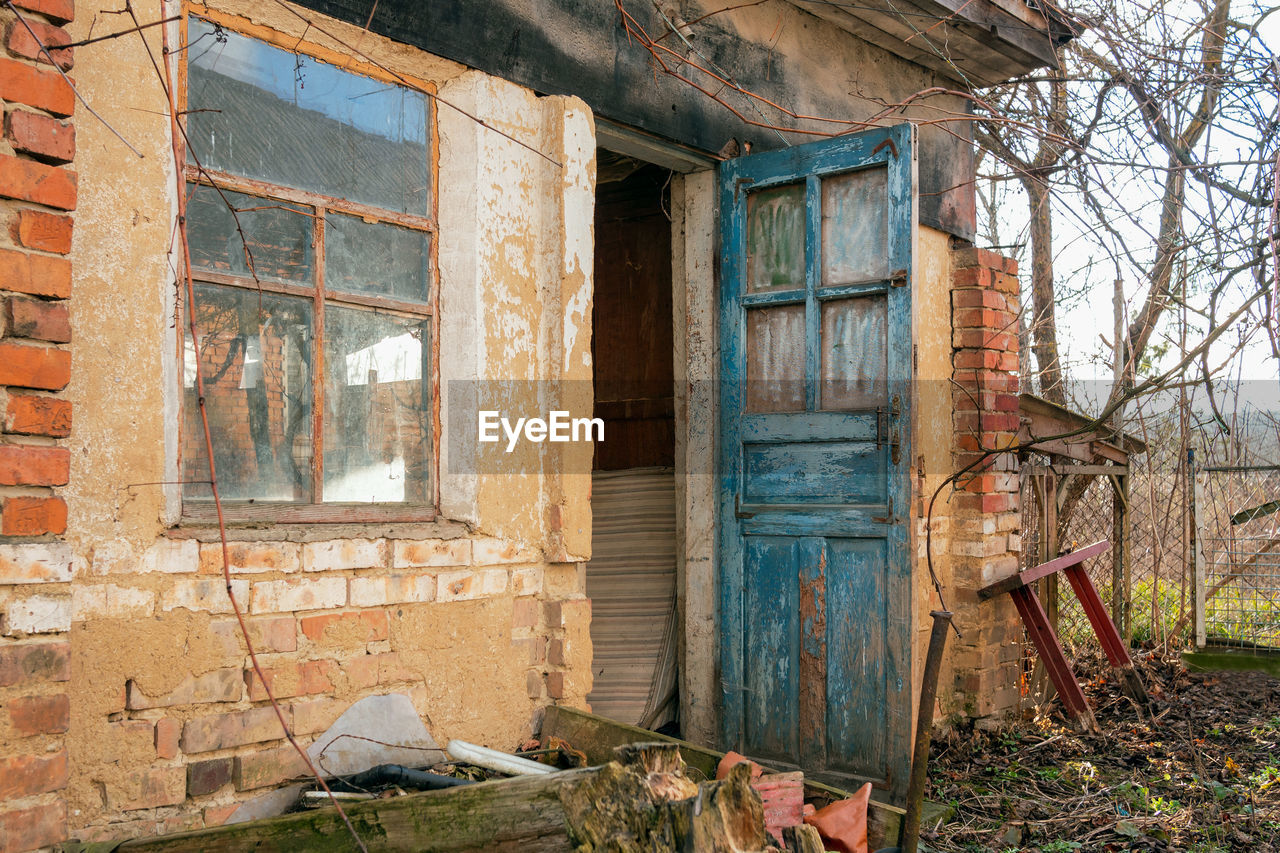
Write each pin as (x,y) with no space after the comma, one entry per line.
(924,730)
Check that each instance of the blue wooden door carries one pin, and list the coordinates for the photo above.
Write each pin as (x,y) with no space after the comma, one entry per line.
(815,578)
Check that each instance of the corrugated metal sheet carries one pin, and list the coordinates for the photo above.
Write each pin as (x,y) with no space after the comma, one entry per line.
(631,579)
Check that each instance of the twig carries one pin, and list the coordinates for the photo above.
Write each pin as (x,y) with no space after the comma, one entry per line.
(44,50)
(138,28)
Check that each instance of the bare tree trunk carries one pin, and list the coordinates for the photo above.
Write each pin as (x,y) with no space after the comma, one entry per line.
(1044,324)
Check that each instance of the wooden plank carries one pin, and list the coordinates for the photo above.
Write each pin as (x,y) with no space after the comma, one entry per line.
(980,20)
(809,426)
(1121,582)
(1057,447)
(1035,573)
(1083,470)
(651,149)
(632,803)
(812,700)
(771,682)
(1051,598)
(1104,450)
(956,50)
(1096,611)
(1050,651)
(522,815)
(1108,635)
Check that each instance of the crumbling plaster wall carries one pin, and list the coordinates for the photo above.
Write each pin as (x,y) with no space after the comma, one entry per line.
(480,617)
(931,298)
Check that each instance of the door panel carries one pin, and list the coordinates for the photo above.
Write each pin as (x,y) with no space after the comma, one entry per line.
(772,674)
(854,353)
(815,343)
(775,233)
(860,657)
(813,472)
(855,227)
(775,358)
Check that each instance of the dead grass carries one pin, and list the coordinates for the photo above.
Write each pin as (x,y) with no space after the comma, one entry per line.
(1205,776)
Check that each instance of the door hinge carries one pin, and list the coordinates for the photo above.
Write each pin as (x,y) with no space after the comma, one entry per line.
(898,278)
(886,424)
(888,143)
(887,428)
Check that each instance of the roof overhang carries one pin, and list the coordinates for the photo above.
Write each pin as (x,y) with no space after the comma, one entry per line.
(1087,442)
(974,42)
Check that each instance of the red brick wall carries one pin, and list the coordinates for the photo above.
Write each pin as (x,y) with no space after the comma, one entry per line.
(39,185)
(986,520)
(37,197)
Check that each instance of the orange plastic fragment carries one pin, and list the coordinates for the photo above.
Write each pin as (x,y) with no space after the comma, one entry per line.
(843,825)
(732,758)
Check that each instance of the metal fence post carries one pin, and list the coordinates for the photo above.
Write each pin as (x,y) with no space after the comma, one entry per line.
(1121,577)
(1197,546)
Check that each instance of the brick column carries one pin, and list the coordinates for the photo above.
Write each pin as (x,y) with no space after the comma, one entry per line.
(986,518)
(37,193)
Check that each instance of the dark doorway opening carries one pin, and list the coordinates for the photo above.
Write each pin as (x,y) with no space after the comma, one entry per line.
(631,577)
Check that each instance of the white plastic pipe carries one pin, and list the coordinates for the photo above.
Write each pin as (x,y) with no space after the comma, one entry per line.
(492,759)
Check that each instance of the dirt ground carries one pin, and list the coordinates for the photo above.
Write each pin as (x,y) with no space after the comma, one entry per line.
(1205,776)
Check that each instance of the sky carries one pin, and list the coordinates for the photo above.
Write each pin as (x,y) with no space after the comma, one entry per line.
(1084,265)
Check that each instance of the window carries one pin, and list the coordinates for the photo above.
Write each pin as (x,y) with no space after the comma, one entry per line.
(311,228)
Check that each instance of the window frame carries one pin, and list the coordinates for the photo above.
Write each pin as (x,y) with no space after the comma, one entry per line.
(251,511)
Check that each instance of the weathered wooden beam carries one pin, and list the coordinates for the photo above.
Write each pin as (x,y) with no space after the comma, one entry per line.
(1043,570)
(1077,470)
(647,804)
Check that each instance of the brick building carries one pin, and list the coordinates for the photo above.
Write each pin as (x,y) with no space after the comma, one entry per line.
(391,224)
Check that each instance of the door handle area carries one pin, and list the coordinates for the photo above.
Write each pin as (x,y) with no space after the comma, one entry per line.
(887,427)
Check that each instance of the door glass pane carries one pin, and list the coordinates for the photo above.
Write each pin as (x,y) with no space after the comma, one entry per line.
(775,238)
(255,359)
(285,118)
(277,235)
(855,227)
(854,353)
(377,438)
(775,359)
(375,258)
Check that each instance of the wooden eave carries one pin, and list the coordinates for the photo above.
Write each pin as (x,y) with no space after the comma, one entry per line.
(1041,418)
(973,42)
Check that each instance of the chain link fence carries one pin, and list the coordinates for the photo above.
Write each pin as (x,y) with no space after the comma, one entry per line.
(1156,590)
(1239,523)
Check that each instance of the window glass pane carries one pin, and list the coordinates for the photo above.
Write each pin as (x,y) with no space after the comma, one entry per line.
(255,360)
(267,113)
(855,227)
(377,433)
(277,235)
(775,359)
(375,258)
(854,353)
(775,238)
